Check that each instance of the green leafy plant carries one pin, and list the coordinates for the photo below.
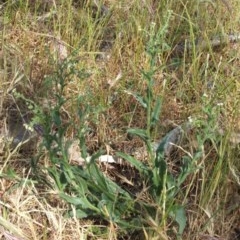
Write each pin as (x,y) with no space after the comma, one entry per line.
(163,186)
(86,188)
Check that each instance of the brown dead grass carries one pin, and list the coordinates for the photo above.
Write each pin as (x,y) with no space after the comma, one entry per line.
(37,213)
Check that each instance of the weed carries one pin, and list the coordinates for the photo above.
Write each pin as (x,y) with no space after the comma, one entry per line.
(86,188)
(166,60)
(163,187)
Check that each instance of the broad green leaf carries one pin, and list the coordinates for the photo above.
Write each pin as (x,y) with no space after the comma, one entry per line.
(159,170)
(134,223)
(97,177)
(139,132)
(172,187)
(178,213)
(83,146)
(56,176)
(56,118)
(67,170)
(139,98)
(81,214)
(104,185)
(79,201)
(74,200)
(142,168)
(158,177)
(156,112)
(62,178)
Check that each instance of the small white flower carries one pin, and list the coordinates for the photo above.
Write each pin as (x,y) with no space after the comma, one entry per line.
(153,24)
(28,127)
(190,119)
(140,28)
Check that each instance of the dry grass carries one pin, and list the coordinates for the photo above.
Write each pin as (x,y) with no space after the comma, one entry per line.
(112,50)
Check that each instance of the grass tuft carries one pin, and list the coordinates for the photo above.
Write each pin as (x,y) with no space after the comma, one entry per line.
(152,86)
